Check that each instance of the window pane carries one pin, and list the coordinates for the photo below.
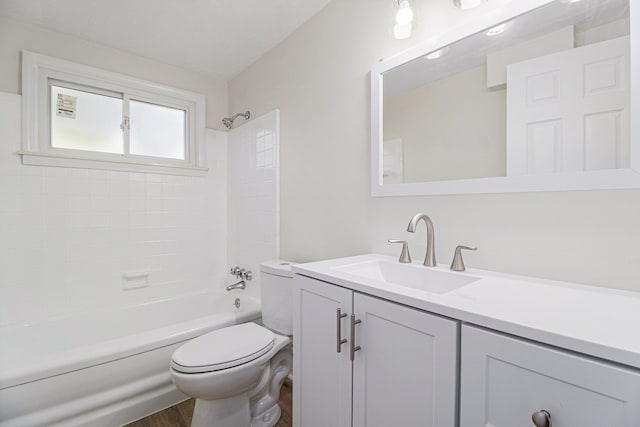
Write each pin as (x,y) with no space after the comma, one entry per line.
(85,121)
(156,130)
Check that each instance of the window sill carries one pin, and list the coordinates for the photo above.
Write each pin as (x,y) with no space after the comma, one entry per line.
(123,165)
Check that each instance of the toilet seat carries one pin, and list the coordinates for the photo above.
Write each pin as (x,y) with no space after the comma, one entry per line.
(223,348)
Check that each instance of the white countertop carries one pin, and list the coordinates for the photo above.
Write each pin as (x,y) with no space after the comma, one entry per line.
(600,322)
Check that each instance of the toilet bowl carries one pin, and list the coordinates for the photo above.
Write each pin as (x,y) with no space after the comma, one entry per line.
(235,373)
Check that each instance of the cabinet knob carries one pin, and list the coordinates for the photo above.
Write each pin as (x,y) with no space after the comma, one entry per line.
(541,418)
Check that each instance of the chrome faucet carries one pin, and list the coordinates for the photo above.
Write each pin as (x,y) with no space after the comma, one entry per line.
(430,257)
(237,285)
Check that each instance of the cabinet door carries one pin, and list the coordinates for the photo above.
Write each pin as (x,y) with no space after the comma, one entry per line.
(322,390)
(505,380)
(405,372)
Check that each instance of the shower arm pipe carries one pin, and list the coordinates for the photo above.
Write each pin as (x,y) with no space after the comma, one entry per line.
(246,115)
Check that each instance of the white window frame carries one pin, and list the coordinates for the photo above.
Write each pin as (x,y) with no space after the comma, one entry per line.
(37,72)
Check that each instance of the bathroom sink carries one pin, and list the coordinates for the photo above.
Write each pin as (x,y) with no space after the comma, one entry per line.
(414,276)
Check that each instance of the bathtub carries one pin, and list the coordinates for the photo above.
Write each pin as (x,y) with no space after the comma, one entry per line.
(105,368)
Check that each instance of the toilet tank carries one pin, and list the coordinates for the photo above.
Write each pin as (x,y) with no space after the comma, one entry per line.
(276,280)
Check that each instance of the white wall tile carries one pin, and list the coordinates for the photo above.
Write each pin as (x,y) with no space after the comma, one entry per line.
(252,195)
(68,235)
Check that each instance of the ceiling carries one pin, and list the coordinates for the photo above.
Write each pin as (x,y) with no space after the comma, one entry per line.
(471,52)
(216,37)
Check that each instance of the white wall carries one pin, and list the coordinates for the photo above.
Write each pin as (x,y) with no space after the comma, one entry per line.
(319,79)
(68,235)
(253,196)
(16,36)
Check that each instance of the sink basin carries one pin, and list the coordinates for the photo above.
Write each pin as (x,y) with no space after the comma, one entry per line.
(409,275)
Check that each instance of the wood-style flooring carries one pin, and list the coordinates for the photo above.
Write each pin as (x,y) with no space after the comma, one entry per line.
(180,414)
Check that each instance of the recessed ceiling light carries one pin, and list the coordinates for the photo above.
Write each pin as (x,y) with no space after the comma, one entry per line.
(498,29)
(437,54)
(467,4)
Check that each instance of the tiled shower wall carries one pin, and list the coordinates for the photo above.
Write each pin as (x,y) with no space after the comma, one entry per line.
(68,235)
(253,194)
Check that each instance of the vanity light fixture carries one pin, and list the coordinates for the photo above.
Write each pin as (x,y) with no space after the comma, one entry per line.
(402,31)
(498,29)
(467,4)
(404,19)
(404,15)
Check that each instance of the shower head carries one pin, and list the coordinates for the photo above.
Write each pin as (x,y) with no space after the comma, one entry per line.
(228,121)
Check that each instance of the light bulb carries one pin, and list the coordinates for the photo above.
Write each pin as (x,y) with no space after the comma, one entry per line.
(404,15)
(402,31)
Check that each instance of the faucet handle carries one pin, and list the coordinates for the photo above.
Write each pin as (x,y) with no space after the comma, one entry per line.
(458,264)
(404,255)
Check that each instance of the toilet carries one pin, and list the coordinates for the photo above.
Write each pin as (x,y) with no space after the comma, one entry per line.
(235,373)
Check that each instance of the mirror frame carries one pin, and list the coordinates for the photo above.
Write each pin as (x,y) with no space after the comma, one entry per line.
(591,180)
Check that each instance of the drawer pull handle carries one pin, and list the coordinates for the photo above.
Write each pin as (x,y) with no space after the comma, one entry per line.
(541,418)
(354,348)
(339,340)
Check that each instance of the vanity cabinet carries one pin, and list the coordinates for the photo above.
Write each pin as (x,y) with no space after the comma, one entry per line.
(505,380)
(363,361)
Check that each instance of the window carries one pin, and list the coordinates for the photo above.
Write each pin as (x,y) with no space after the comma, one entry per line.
(79,116)
(156,130)
(82,120)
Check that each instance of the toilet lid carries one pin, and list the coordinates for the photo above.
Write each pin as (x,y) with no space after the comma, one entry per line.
(223,348)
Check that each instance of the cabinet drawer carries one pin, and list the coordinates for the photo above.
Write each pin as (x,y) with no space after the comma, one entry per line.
(505,380)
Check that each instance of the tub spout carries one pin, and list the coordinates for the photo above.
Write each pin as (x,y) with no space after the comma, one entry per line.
(237,285)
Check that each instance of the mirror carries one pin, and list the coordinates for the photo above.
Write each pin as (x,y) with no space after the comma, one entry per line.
(536,98)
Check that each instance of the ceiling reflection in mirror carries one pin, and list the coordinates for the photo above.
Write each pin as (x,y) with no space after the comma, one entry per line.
(547,92)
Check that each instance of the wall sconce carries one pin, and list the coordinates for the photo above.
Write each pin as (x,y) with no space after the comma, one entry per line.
(467,4)
(404,20)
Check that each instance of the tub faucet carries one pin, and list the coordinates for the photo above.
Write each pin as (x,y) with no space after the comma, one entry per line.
(430,257)
(237,285)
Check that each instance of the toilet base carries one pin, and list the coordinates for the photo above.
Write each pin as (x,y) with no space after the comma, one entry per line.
(269,418)
(231,412)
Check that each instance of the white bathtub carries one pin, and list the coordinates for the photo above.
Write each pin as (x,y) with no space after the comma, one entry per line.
(107,368)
